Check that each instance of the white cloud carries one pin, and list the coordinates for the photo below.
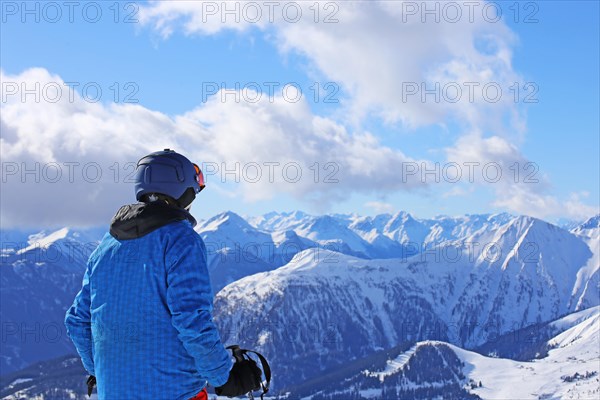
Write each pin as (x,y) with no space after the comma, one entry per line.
(381,52)
(283,132)
(374,51)
(541,205)
(575,208)
(78,139)
(204,17)
(380,207)
(458,191)
(64,162)
(106,137)
(520,188)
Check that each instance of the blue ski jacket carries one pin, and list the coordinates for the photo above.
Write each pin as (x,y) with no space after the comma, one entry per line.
(142,321)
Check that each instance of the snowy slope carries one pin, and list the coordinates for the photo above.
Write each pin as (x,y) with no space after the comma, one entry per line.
(433,368)
(59,378)
(43,241)
(527,275)
(571,369)
(371,229)
(587,287)
(333,234)
(235,248)
(393,365)
(347,305)
(423,370)
(589,228)
(227,233)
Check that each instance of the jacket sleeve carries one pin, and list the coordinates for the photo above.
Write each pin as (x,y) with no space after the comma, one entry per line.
(78,324)
(190,300)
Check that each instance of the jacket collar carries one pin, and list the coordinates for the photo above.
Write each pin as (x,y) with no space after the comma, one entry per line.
(133,221)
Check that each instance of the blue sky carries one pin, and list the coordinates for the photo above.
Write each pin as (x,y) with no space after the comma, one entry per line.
(560,133)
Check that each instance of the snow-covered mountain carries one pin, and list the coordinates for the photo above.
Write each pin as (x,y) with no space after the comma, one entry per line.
(283,221)
(234,248)
(380,236)
(589,231)
(569,368)
(428,369)
(590,228)
(470,279)
(333,234)
(59,378)
(38,282)
(324,306)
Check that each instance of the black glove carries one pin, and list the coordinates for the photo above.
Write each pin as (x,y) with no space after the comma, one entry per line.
(245,376)
(91,382)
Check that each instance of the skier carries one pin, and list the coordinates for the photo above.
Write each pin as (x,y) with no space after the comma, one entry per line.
(142,321)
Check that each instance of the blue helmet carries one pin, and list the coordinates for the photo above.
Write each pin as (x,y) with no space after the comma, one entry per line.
(170,174)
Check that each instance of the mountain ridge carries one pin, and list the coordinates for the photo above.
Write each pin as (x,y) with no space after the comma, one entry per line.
(365,295)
